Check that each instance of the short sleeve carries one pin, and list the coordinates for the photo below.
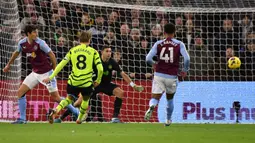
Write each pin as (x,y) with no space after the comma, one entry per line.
(19,48)
(44,46)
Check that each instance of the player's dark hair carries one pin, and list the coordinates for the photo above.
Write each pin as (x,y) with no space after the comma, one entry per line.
(29,29)
(169,28)
(85,36)
(106,47)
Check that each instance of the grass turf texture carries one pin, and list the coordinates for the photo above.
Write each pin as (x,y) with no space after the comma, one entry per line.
(126,133)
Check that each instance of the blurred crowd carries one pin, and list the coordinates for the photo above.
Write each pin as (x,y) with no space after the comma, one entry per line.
(210,38)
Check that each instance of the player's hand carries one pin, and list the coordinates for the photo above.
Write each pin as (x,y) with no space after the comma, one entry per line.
(47,80)
(6,68)
(96,84)
(148,75)
(183,74)
(138,88)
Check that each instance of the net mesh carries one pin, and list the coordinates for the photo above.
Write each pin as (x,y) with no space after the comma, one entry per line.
(212,30)
(9,82)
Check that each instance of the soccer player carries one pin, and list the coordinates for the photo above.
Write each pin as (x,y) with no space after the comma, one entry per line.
(37,51)
(80,80)
(109,88)
(168,52)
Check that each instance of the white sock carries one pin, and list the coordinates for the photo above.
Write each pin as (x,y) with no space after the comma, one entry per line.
(153,102)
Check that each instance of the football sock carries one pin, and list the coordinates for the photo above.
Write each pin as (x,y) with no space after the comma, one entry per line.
(63,104)
(22,107)
(169,109)
(83,109)
(153,102)
(117,106)
(71,108)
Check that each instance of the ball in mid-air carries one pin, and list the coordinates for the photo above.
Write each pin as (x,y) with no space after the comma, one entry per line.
(234,63)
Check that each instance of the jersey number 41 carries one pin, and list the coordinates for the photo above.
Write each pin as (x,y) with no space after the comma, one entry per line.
(167,54)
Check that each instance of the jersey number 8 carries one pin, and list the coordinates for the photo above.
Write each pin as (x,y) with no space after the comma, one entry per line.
(81,64)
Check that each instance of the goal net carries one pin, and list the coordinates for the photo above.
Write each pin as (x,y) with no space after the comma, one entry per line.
(9,82)
(212,30)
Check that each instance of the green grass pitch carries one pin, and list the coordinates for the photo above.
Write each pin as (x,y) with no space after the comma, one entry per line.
(126,133)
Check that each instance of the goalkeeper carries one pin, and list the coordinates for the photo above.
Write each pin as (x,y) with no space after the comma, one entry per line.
(80,80)
(109,88)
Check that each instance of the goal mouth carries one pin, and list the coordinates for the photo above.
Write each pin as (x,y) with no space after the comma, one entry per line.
(212,31)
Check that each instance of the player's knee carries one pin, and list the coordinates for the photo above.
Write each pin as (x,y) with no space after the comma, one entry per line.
(156,96)
(20,94)
(170,96)
(77,103)
(120,94)
(22,90)
(55,96)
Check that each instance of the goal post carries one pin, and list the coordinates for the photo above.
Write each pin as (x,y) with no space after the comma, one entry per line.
(9,82)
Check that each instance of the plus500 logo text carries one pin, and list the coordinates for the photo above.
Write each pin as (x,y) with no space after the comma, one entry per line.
(196,109)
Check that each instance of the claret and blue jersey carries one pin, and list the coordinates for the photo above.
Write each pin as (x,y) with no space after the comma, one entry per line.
(168,52)
(37,53)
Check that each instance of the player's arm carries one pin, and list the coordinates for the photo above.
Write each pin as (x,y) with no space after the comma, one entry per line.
(53,59)
(59,67)
(131,83)
(15,54)
(152,53)
(117,68)
(100,69)
(186,57)
(44,47)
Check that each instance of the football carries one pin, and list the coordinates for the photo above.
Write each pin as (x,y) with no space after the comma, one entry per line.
(234,63)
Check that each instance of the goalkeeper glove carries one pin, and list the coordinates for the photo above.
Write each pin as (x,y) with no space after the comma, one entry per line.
(138,88)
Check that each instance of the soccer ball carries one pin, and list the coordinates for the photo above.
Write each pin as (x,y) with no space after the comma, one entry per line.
(234,63)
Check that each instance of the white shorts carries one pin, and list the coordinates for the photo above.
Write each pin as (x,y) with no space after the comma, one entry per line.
(160,85)
(34,78)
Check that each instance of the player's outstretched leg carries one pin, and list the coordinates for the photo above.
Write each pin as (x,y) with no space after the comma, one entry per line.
(169,109)
(61,105)
(153,103)
(83,109)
